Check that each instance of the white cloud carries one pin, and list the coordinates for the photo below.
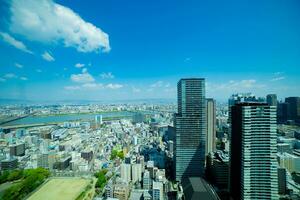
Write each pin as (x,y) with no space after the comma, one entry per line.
(93,85)
(47,21)
(47,56)
(247,83)
(114,86)
(2,79)
(159,84)
(10,75)
(18,65)
(23,78)
(107,75)
(79,65)
(85,77)
(170,90)
(278,78)
(72,87)
(234,86)
(13,42)
(136,90)
(278,73)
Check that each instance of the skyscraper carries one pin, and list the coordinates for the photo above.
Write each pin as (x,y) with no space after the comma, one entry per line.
(293,107)
(190,128)
(237,98)
(253,152)
(211,125)
(272,99)
(282,112)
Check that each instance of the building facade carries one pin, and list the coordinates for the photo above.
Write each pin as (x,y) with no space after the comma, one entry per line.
(253,165)
(17,149)
(211,125)
(190,129)
(126,172)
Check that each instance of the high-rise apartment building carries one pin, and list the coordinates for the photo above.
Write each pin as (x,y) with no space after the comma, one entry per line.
(190,128)
(253,152)
(237,98)
(272,99)
(211,125)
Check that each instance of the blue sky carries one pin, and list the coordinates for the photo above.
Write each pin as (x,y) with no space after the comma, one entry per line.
(102,50)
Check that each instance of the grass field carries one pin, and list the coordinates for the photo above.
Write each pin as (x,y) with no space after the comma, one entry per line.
(60,188)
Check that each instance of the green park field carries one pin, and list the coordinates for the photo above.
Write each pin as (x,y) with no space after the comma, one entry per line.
(60,188)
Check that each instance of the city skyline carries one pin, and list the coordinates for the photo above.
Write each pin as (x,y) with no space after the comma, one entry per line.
(139,50)
(149,100)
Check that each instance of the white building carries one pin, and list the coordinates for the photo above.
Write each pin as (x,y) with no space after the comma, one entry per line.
(126,172)
(136,173)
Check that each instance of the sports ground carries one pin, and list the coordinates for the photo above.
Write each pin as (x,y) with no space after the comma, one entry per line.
(60,188)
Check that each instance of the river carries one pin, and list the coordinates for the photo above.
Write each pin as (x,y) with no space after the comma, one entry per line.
(67,117)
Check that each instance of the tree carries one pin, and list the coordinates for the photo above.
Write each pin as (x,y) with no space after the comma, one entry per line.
(32,178)
(3,177)
(113,154)
(101,178)
(15,175)
(121,155)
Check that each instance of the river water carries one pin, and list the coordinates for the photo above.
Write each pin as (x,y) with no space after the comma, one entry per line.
(65,118)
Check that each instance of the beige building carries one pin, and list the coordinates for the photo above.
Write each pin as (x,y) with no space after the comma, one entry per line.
(121,191)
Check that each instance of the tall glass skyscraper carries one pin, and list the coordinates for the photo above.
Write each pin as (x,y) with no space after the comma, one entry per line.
(253,165)
(190,127)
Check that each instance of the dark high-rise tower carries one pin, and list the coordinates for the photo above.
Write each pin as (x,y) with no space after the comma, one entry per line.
(293,107)
(190,127)
(282,112)
(253,164)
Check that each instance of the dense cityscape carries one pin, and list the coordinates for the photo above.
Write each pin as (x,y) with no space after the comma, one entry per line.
(149,100)
(133,152)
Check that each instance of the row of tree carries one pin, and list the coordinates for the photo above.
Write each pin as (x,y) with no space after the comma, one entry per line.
(8,176)
(101,179)
(29,180)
